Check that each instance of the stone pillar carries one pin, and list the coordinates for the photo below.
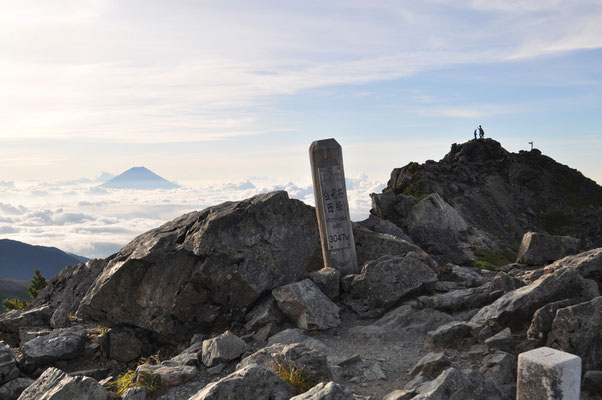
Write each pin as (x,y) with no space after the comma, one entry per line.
(548,374)
(332,208)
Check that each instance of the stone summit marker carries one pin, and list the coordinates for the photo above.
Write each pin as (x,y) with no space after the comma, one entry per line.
(332,207)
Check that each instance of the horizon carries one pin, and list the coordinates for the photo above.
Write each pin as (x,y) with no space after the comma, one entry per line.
(213,95)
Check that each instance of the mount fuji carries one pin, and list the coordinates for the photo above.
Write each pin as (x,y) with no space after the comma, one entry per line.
(139,178)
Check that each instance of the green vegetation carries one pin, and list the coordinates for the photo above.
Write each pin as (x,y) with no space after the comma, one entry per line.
(489,259)
(555,222)
(297,377)
(38,282)
(129,379)
(416,189)
(412,167)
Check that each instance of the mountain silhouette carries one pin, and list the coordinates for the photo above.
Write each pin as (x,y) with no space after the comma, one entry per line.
(139,178)
(19,260)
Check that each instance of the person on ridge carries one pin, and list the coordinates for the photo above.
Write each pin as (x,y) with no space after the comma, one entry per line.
(481,132)
(475,133)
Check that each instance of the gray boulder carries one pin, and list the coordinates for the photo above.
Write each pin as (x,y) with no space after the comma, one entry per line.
(431,364)
(11,321)
(541,248)
(326,391)
(379,225)
(204,270)
(452,333)
(588,264)
(305,304)
(502,340)
(137,393)
(252,382)
(54,384)
(60,344)
(123,345)
(578,330)
(169,375)
(517,307)
(449,385)
(387,279)
(8,365)
(541,324)
(265,313)
(329,281)
(296,335)
(13,389)
(222,348)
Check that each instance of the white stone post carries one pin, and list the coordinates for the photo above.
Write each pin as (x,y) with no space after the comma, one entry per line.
(548,374)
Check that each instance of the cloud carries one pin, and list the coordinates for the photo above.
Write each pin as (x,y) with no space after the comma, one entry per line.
(4,229)
(5,184)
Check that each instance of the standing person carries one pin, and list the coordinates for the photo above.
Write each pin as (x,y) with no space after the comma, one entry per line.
(475,133)
(481,132)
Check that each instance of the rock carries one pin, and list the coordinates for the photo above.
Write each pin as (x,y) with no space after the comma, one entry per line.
(371,245)
(326,391)
(379,225)
(137,393)
(307,306)
(204,270)
(13,389)
(28,333)
(516,308)
(217,369)
(123,345)
(292,336)
(578,330)
(502,340)
(60,344)
(451,333)
(11,321)
(8,366)
(222,348)
(501,366)
(374,372)
(312,360)
(65,291)
(449,385)
(54,384)
(387,279)
(542,248)
(432,364)
(328,280)
(592,381)
(169,375)
(588,264)
(266,312)
(400,395)
(541,324)
(252,382)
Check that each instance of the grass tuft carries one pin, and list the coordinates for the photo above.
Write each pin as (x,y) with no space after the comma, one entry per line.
(297,377)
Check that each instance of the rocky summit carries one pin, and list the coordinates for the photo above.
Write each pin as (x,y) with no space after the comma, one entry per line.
(464,265)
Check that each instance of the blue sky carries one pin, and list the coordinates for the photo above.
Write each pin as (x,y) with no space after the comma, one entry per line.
(223,91)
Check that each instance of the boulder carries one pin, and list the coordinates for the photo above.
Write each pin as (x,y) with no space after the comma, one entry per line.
(296,335)
(65,291)
(123,345)
(8,365)
(11,321)
(588,264)
(266,312)
(328,280)
(326,391)
(54,384)
(32,332)
(222,348)
(387,279)
(60,344)
(502,340)
(431,364)
(136,393)
(305,304)
(252,382)
(449,385)
(379,225)
(500,366)
(452,333)
(169,375)
(516,308)
(541,324)
(13,389)
(578,330)
(541,248)
(204,270)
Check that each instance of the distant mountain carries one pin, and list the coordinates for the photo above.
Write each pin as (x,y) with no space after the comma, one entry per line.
(139,178)
(19,260)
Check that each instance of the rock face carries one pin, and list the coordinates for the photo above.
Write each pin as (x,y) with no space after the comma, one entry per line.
(224,347)
(541,248)
(307,306)
(326,391)
(204,270)
(8,366)
(61,344)
(588,264)
(54,384)
(252,382)
(385,280)
(499,195)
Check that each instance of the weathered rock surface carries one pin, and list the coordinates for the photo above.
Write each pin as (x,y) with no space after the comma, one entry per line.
(449,385)
(326,391)
(252,382)
(578,330)
(541,248)
(54,384)
(516,308)
(452,333)
(305,304)
(204,270)
(222,348)
(329,281)
(60,344)
(431,364)
(169,375)
(387,279)
(11,321)
(123,345)
(8,366)
(379,225)
(13,389)
(541,324)
(588,264)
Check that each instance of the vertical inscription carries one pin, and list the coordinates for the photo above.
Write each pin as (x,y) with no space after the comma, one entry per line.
(335,207)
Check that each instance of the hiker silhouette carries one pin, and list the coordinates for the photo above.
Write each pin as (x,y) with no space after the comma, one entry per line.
(481,132)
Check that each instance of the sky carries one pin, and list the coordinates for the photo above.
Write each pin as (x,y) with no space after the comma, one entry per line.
(225,97)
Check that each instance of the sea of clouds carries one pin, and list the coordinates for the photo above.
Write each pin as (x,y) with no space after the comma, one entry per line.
(82,218)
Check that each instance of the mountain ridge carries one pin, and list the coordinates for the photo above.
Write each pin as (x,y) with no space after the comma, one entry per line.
(140,178)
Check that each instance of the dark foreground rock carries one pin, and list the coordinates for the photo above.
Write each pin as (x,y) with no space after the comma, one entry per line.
(204,270)
(541,248)
(54,384)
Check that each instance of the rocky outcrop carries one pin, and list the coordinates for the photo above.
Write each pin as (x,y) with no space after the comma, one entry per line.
(326,391)
(204,270)
(307,306)
(222,348)
(588,264)
(8,366)
(499,196)
(541,248)
(61,344)
(54,384)
(252,382)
